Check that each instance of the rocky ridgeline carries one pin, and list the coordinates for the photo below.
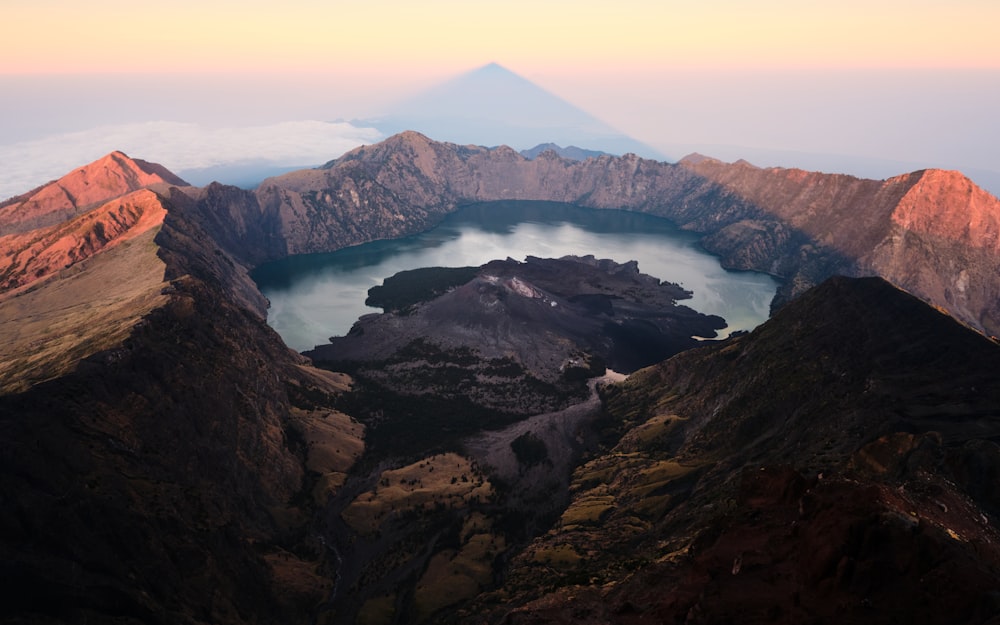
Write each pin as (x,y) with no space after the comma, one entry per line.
(105,179)
(933,233)
(31,256)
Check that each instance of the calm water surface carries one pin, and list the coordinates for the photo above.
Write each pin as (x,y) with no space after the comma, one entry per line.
(316,296)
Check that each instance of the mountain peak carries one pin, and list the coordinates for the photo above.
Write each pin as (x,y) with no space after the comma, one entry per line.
(110,176)
(492,105)
(493,66)
(695,158)
(493,72)
(948,204)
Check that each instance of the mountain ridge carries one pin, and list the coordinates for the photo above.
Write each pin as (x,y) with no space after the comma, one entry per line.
(139,389)
(800,226)
(571,152)
(106,178)
(33,256)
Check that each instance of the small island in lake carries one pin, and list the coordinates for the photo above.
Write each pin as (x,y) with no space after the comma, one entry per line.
(517,337)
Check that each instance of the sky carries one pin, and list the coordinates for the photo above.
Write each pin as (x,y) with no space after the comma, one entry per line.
(913,82)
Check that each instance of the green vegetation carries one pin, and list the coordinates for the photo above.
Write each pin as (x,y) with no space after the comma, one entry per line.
(420,349)
(452,577)
(401,292)
(436,482)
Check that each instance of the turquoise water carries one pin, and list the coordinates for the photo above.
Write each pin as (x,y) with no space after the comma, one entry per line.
(316,296)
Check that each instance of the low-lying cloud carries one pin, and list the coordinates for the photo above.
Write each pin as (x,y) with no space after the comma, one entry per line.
(178,147)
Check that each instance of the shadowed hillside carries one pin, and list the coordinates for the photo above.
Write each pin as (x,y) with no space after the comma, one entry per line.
(160,444)
(820,468)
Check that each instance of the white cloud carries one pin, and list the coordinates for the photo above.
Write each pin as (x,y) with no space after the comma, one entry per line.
(178,147)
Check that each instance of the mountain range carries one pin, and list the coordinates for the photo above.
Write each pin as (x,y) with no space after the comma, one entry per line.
(165,458)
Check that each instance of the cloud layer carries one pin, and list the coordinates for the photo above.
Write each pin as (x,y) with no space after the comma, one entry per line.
(179,147)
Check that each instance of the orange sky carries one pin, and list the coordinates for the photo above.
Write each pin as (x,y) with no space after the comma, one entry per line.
(915,82)
(442,36)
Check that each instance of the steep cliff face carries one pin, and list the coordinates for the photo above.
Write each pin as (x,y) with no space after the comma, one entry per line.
(944,244)
(932,232)
(237,221)
(841,212)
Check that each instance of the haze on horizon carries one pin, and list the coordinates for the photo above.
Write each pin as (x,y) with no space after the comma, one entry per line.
(907,84)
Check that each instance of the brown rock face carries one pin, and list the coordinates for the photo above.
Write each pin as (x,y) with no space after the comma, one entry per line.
(33,255)
(948,205)
(109,177)
(943,244)
(932,232)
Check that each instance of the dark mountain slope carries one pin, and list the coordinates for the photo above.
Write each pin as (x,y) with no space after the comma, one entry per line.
(858,350)
(165,473)
(823,468)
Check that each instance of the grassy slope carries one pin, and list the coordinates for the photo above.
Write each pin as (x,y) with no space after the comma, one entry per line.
(84,309)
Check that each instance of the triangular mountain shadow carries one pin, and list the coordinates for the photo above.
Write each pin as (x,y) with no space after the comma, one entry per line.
(493,106)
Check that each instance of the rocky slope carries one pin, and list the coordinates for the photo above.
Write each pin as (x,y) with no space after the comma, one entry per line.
(110,177)
(79,284)
(163,452)
(540,314)
(38,253)
(819,469)
(932,232)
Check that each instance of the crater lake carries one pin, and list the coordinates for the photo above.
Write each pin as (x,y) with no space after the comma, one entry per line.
(316,296)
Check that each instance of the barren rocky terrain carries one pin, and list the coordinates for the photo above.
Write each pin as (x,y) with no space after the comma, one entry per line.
(817,469)
(164,458)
